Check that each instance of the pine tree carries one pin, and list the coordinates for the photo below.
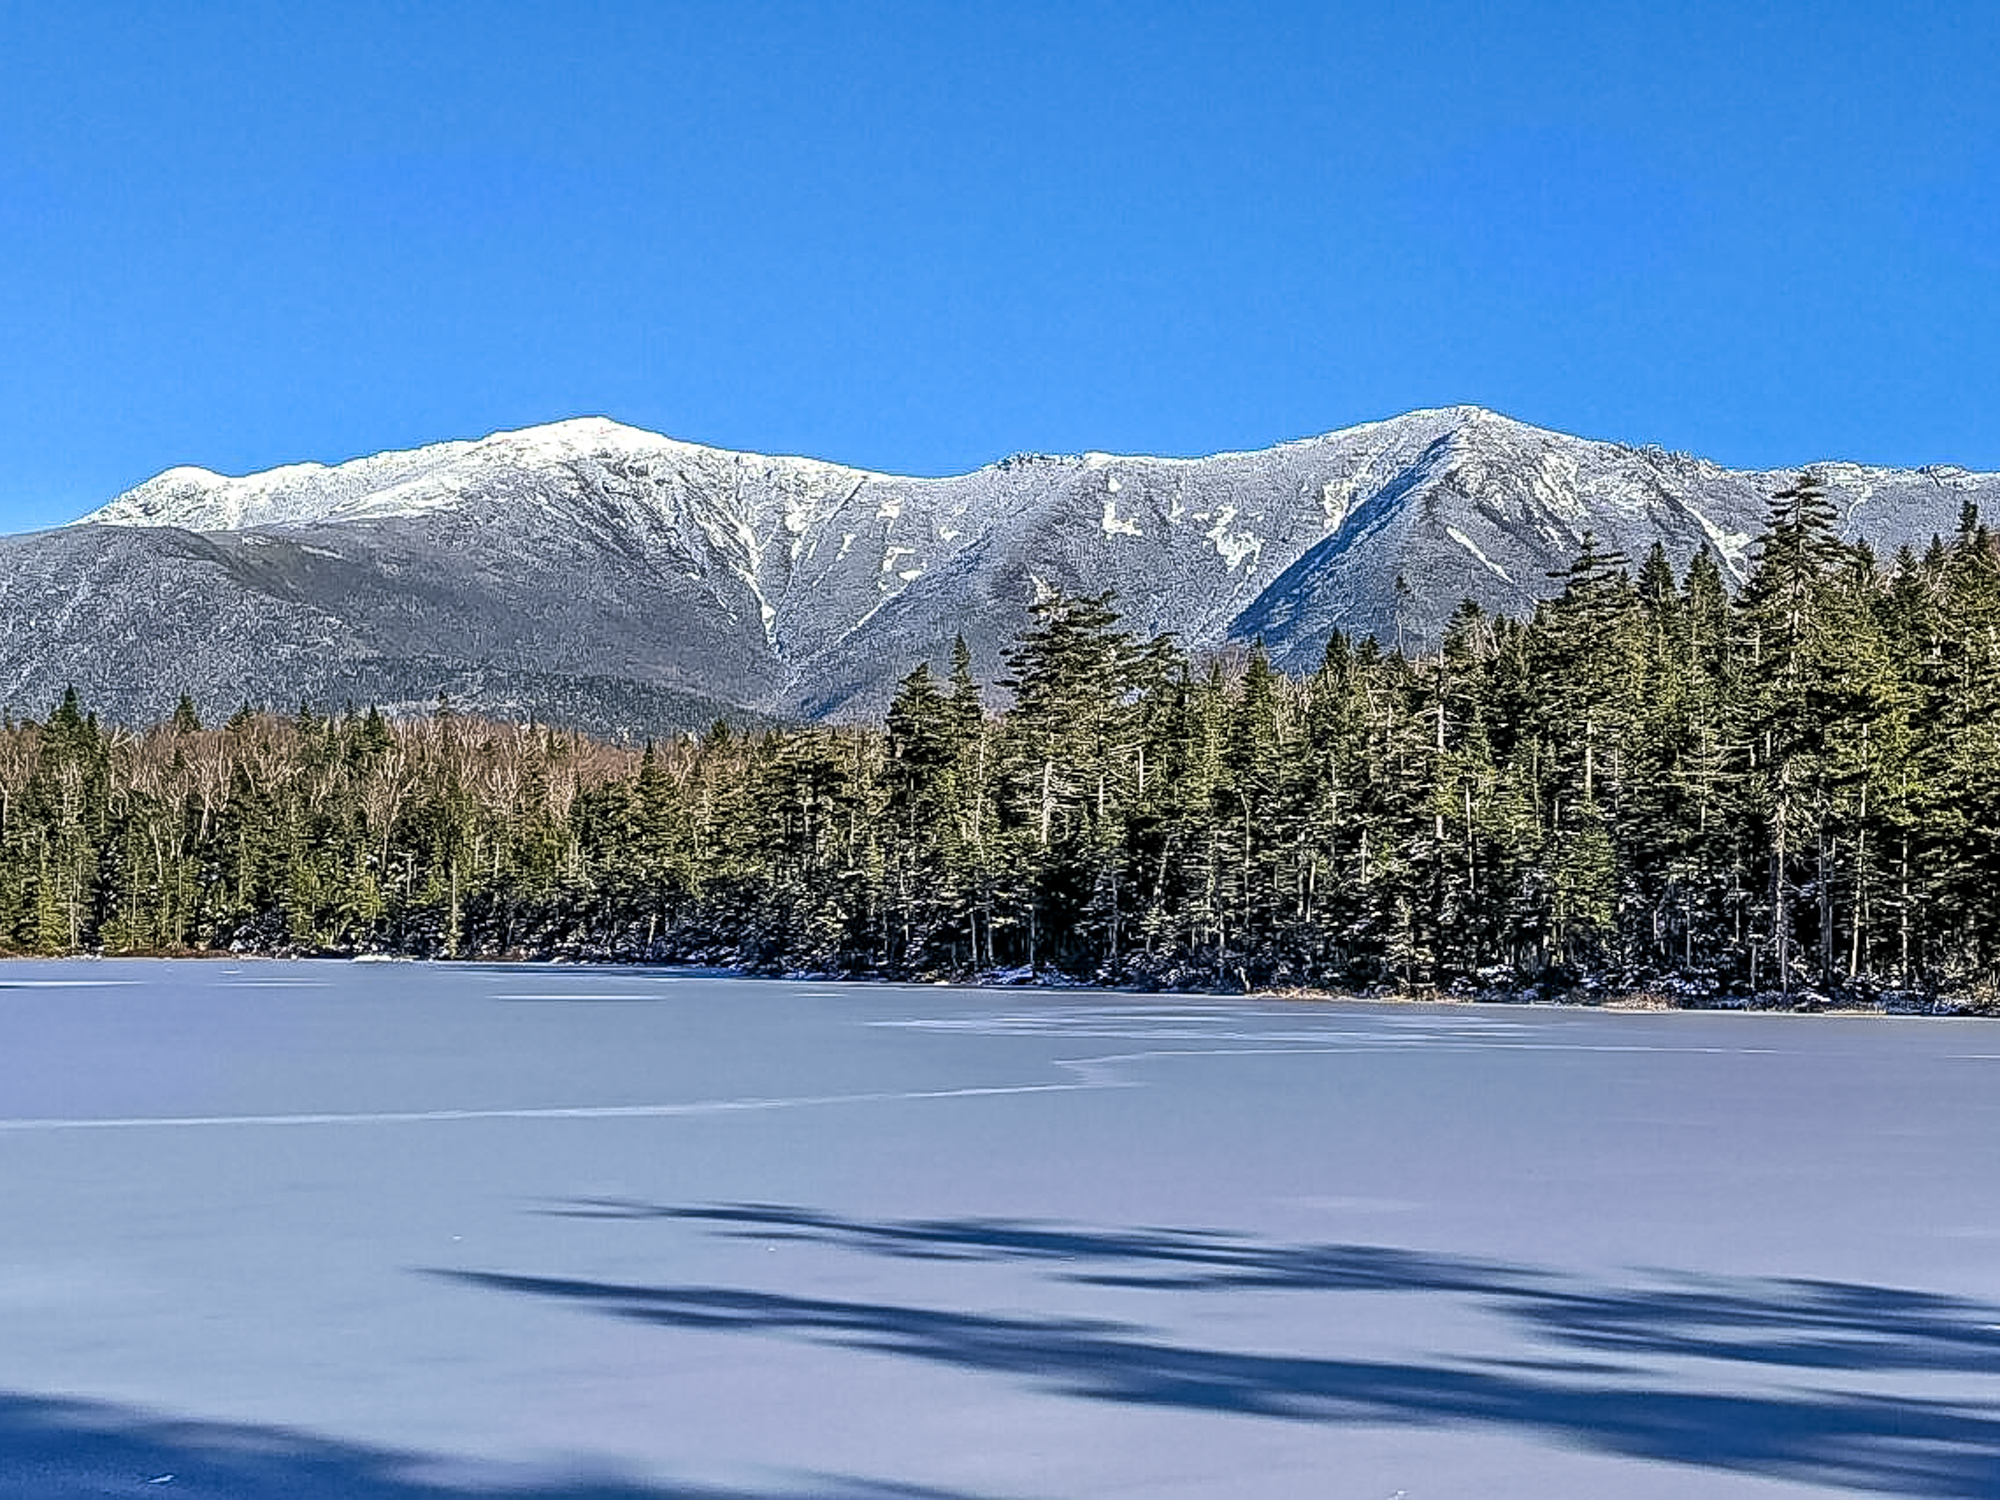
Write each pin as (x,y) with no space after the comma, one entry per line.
(1071,746)
(1782,611)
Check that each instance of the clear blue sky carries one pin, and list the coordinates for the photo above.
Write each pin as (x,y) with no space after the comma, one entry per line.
(918,237)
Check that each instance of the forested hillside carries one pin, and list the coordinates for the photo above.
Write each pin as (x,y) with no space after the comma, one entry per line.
(1646,787)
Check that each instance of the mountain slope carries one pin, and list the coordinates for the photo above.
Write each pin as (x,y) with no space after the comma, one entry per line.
(685,579)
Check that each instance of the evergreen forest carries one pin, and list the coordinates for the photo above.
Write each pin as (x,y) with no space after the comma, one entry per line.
(1647,788)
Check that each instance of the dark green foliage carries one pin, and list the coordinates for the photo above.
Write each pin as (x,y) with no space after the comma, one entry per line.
(1644,787)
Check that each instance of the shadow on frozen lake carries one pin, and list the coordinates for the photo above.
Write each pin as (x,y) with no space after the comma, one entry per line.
(1603,1385)
(61,1450)
(1774,1321)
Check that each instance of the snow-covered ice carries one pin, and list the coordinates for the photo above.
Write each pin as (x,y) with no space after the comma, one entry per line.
(403,1232)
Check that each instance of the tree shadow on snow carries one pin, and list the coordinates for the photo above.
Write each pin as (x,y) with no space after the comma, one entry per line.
(1793,1322)
(63,1449)
(1847,1438)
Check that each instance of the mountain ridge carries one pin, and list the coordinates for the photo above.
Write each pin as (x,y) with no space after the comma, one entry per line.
(788,585)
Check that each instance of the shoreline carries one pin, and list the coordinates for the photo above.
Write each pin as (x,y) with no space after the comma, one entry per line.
(1636,1001)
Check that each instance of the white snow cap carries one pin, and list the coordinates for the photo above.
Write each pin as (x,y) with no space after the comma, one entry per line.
(408,482)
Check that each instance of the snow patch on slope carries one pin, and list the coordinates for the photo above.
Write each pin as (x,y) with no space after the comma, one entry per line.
(1232,546)
(1473,547)
(1733,547)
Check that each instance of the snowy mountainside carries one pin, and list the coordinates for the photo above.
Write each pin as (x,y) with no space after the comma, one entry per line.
(589,551)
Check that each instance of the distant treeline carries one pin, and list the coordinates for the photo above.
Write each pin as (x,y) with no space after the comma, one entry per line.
(1647,787)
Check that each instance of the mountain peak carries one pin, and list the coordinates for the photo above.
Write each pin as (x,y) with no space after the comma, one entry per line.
(411,482)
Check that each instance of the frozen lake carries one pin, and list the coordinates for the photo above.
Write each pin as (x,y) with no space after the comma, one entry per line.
(407,1232)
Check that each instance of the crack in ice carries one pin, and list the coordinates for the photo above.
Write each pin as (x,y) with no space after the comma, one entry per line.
(555,1112)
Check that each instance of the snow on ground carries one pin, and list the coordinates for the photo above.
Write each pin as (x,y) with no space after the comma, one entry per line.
(403,1232)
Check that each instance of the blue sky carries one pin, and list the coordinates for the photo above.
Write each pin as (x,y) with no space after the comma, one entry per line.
(918,237)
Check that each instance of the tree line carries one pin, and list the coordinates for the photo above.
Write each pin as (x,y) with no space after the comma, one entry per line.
(1646,786)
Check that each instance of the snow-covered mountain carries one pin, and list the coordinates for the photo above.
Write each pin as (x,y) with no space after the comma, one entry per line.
(593,572)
